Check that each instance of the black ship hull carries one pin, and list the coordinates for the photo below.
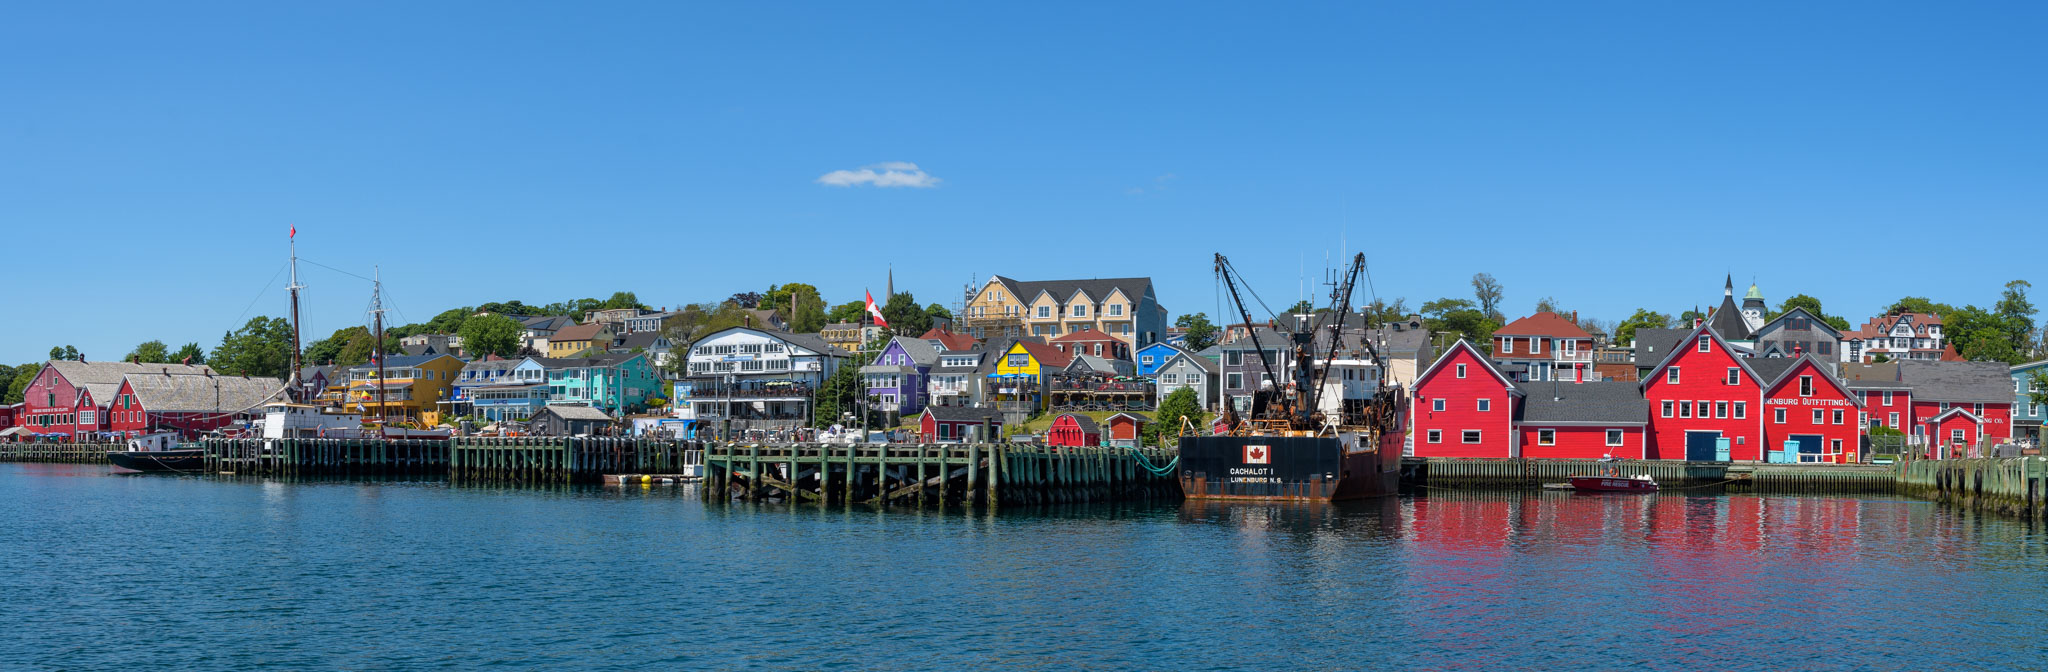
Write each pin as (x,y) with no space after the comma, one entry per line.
(1288,468)
(170,461)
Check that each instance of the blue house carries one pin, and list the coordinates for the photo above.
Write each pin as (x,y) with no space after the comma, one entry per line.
(1152,357)
(896,377)
(2027,415)
(501,389)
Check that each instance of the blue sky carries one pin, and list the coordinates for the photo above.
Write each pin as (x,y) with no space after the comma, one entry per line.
(1613,155)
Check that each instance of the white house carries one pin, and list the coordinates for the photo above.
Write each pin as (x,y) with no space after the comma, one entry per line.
(758,378)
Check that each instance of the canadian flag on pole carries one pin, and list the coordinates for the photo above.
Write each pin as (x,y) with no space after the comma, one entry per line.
(875,310)
(295,231)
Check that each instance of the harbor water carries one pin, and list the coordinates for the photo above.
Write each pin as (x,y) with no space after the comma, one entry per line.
(113,571)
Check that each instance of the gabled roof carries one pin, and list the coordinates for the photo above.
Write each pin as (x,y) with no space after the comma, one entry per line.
(580,332)
(1547,324)
(1062,290)
(1268,339)
(645,340)
(1958,382)
(1484,362)
(811,342)
(1046,355)
(102,380)
(575,412)
(951,341)
(920,351)
(1955,410)
(1727,321)
(1086,423)
(964,414)
(1606,403)
(1100,365)
(401,361)
(1090,336)
(187,393)
(1205,364)
(1653,344)
(546,323)
(1691,337)
(1881,326)
(1801,312)
(1784,375)
(494,364)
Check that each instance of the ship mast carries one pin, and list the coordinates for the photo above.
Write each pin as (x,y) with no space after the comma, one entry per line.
(293,382)
(377,334)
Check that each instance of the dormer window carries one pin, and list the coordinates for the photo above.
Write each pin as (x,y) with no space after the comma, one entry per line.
(1080,310)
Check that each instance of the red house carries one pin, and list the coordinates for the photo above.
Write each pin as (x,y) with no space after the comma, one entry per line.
(7,415)
(1886,403)
(1703,399)
(1954,433)
(1548,346)
(1073,430)
(956,424)
(1125,429)
(188,404)
(1985,389)
(1584,420)
(1091,342)
(1808,411)
(1465,407)
(71,398)
(943,340)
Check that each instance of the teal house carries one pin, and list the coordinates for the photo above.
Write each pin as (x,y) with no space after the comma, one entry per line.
(617,383)
(2027,415)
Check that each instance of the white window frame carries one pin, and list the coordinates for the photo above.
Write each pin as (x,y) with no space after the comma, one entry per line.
(1485,405)
(1704,343)
(1233,380)
(1892,421)
(1667,409)
(1820,417)
(1836,417)
(1471,436)
(1436,436)
(1685,409)
(1616,437)
(1671,376)
(1546,437)
(1721,410)
(1806,386)
(1116,310)
(1507,345)
(1461,370)
(1955,435)
(1436,405)
(1045,312)
(1078,310)
(1778,416)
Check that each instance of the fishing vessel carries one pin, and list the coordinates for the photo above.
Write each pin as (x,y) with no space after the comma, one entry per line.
(1610,480)
(1294,442)
(158,452)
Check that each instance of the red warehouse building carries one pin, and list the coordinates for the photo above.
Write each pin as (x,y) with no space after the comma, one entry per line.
(1886,403)
(1584,420)
(1984,389)
(1808,411)
(72,398)
(1955,434)
(1704,399)
(956,424)
(1465,407)
(190,405)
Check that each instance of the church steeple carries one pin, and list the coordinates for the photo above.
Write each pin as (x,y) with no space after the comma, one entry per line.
(890,292)
(1728,290)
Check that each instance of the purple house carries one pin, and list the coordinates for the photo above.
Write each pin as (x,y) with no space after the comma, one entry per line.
(897,376)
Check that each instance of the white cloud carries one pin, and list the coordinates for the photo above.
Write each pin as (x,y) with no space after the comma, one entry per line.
(885,174)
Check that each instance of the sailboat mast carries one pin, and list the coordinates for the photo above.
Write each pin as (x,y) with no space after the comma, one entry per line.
(377,335)
(293,382)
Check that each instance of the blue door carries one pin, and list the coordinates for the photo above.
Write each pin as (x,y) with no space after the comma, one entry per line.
(1809,448)
(1700,446)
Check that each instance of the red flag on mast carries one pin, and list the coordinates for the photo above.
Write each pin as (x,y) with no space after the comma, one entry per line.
(877,312)
(295,232)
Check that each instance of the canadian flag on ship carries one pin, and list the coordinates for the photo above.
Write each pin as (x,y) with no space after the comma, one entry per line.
(1258,455)
(875,311)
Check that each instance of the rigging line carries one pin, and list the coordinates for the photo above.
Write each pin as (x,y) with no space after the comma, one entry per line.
(337,270)
(1271,316)
(266,290)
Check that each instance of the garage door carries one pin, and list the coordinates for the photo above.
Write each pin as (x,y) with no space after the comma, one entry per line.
(1809,448)
(1699,446)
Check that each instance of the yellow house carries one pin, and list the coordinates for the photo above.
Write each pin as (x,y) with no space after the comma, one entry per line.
(1125,308)
(1020,374)
(413,388)
(575,339)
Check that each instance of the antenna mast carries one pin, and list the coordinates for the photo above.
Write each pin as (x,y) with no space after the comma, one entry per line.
(377,334)
(293,383)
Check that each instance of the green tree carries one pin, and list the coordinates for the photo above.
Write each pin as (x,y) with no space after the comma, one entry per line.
(905,316)
(2018,314)
(936,311)
(623,300)
(1548,305)
(1488,292)
(1643,318)
(66,353)
(328,350)
(799,304)
(507,308)
(1461,319)
(1201,334)
(260,348)
(1181,403)
(150,352)
(1980,335)
(23,375)
(1919,304)
(2037,387)
(1687,318)
(189,353)
(1301,307)
(1380,312)
(1811,305)
(361,346)
(848,313)
(839,394)
(491,335)
(449,321)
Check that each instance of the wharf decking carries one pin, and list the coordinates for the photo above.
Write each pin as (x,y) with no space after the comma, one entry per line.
(2014,486)
(938,474)
(67,453)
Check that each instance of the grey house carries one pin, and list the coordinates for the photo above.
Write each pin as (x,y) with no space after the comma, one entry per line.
(568,420)
(1799,332)
(1187,370)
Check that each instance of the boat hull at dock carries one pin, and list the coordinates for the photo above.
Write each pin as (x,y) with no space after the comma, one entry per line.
(190,460)
(1286,468)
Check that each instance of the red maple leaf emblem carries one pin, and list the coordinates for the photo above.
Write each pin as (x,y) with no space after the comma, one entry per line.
(1258,453)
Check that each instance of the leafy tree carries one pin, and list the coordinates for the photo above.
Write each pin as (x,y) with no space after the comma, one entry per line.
(778,297)
(23,375)
(1919,304)
(361,346)
(1438,308)
(150,352)
(623,300)
(491,335)
(449,321)
(839,393)
(1811,305)
(1488,292)
(1301,307)
(1548,305)
(1980,335)
(1167,421)
(2018,314)
(260,348)
(66,353)
(507,308)
(799,304)
(1460,318)
(936,311)
(1380,312)
(1642,319)
(904,315)
(1687,318)
(1201,334)
(2037,387)
(190,353)
(848,312)
(1880,358)
(745,299)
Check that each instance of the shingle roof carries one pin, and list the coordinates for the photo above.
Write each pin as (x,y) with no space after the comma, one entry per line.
(1966,382)
(546,322)
(1087,423)
(1770,369)
(1801,312)
(920,350)
(950,340)
(1613,402)
(964,414)
(1543,324)
(1204,363)
(493,364)
(399,361)
(103,379)
(575,412)
(1653,344)
(580,332)
(1061,290)
(643,340)
(189,393)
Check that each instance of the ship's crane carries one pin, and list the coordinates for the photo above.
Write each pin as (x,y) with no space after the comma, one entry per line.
(1294,405)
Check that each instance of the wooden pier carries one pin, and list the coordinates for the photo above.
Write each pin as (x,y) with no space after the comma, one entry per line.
(1437,472)
(936,474)
(67,453)
(2013,486)
(533,460)
(327,458)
